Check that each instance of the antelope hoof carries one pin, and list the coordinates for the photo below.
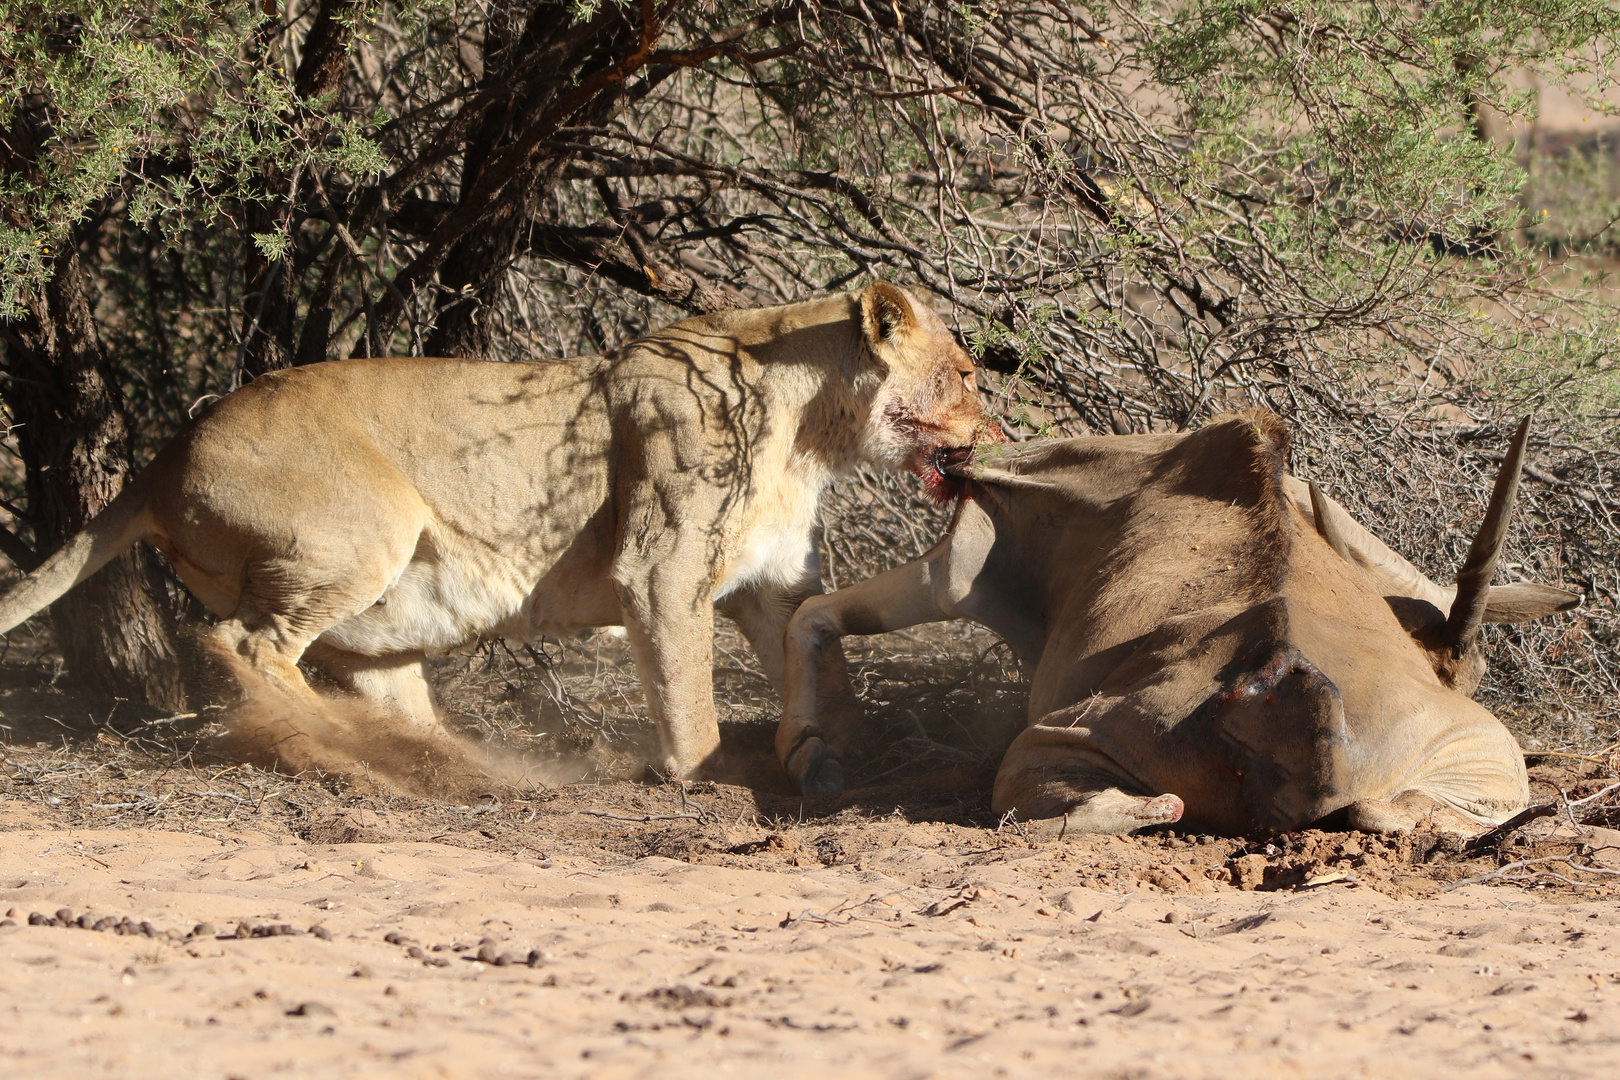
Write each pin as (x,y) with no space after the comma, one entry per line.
(814,770)
(1162,810)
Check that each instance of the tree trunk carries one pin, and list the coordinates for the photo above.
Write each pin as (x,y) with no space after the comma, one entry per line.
(474,275)
(558,49)
(268,304)
(115,629)
(269,299)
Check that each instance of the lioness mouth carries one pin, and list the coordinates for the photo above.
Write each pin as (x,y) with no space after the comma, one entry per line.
(955,461)
(943,469)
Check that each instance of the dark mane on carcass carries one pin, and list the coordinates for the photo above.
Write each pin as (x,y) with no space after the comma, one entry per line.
(1238,461)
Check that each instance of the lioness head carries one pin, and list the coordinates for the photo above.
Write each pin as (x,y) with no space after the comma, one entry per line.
(928,403)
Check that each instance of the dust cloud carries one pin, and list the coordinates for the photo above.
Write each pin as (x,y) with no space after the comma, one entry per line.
(309,733)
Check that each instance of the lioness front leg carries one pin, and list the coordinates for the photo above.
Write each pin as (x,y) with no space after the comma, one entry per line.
(670,621)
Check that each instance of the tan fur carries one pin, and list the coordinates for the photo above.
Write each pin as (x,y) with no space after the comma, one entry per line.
(362,514)
(1199,644)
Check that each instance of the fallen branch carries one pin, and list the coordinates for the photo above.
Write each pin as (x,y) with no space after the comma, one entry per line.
(1531,813)
(949,904)
(791,921)
(1578,803)
(1593,759)
(1502,873)
(1512,825)
(642,817)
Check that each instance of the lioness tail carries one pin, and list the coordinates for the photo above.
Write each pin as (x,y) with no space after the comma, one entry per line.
(108,535)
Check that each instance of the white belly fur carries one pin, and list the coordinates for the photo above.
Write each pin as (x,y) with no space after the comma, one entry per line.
(451,592)
(440,604)
(779,554)
(441,599)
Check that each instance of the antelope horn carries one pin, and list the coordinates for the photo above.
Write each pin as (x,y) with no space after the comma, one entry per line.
(1331,523)
(1474,579)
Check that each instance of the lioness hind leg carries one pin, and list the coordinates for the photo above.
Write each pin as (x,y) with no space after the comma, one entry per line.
(279,712)
(282,723)
(278,617)
(397,683)
(261,651)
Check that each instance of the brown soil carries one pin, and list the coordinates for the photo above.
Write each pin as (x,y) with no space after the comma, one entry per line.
(254,925)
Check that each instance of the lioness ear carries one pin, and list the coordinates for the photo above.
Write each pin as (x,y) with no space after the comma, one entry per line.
(886,313)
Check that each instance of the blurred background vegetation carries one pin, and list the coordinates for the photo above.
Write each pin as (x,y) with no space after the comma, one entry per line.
(1391,223)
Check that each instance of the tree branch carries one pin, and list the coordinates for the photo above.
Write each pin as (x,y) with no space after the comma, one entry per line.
(12,547)
(326,48)
(513,160)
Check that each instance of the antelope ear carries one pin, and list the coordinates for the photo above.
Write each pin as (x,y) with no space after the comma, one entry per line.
(886,314)
(1523,601)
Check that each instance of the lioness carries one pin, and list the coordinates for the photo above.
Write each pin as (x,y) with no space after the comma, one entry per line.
(360,514)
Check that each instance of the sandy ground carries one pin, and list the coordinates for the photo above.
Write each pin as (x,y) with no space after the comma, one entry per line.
(614,928)
(550,938)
